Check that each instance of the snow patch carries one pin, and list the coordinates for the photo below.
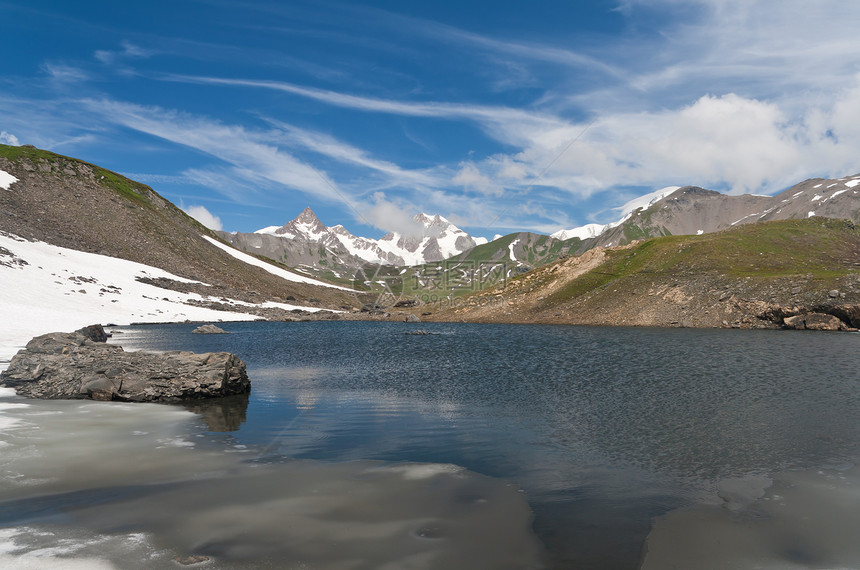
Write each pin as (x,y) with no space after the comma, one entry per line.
(700,232)
(817,197)
(810,214)
(48,288)
(852,183)
(6,180)
(511,249)
(816,186)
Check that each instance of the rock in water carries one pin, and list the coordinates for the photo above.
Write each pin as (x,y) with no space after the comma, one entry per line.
(209,329)
(95,333)
(72,366)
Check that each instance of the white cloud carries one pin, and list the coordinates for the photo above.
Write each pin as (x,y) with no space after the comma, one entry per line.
(331,147)
(247,151)
(390,216)
(128,51)
(471,178)
(9,138)
(65,73)
(204,216)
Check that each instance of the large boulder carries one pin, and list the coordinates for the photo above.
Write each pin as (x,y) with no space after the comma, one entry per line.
(72,366)
(814,322)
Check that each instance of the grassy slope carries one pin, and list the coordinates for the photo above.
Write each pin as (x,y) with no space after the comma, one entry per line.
(823,248)
(661,280)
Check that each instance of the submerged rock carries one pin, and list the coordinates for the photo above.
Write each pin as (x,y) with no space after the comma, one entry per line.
(72,366)
(209,329)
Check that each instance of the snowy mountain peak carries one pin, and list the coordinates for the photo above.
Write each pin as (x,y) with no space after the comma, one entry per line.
(434,238)
(306,225)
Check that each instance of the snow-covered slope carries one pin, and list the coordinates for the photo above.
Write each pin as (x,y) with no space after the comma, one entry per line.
(45,288)
(434,238)
(593,230)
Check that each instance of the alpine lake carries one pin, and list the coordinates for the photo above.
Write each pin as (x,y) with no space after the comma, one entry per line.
(472,446)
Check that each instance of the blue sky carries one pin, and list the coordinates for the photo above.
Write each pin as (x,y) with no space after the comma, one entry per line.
(501,116)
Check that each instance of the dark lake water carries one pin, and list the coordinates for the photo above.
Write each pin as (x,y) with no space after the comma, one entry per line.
(601,430)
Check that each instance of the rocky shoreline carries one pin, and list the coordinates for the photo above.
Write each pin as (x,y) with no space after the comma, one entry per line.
(81,365)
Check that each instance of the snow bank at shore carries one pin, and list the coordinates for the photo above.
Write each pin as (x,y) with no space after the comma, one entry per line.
(45,288)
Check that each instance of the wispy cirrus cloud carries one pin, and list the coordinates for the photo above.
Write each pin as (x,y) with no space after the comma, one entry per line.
(330,147)
(127,51)
(234,145)
(494,118)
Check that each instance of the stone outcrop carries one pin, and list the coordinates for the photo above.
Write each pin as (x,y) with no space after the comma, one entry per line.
(72,366)
(209,329)
(815,322)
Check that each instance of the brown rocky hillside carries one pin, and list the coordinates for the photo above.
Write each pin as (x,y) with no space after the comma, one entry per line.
(74,204)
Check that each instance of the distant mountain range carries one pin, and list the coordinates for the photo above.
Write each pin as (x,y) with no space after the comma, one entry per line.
(334,253)
(694,211)
(440,252)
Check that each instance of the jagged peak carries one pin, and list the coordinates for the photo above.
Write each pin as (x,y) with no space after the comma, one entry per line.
(307,217)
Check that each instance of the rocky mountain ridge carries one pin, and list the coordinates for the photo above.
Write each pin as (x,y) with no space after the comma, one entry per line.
(692,210)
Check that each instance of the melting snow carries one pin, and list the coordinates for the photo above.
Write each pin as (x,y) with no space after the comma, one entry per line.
(511,249)
(700,232)
(6,180)
(816,186)
(817,197)
(810,214)
(853,183)
(832,185)
(58,289)
(45,288)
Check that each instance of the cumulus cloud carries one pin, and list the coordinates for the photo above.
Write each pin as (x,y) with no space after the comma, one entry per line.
(727,142)
(471,178)
(204,216)
(391,216)
(9,138)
